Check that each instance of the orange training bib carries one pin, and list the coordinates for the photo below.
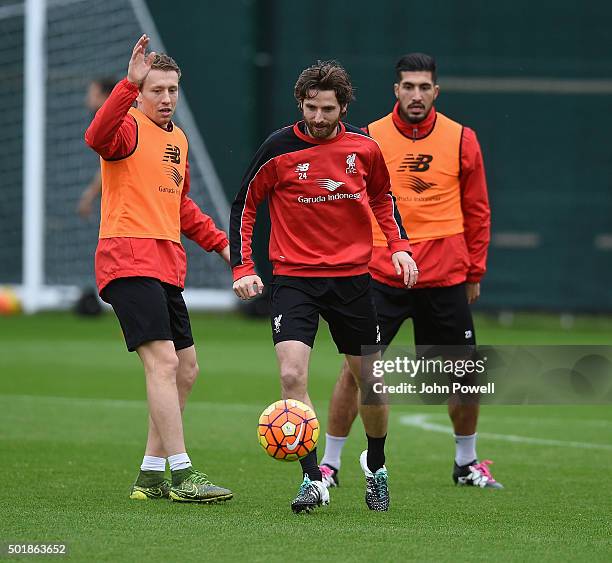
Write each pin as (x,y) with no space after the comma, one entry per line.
(141,193)
(424,178)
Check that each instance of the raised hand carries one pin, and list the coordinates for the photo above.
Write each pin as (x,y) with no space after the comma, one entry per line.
(140,65)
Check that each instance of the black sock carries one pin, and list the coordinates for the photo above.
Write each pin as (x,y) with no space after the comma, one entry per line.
(179,475)
(310,466)
(150,478)
(376,453)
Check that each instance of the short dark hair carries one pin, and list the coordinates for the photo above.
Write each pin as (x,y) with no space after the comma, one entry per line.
(105,83)
(414,62)
(166,63)
(324,75)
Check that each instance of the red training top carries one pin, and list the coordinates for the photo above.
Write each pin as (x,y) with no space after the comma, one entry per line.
(113,134)
(319,193)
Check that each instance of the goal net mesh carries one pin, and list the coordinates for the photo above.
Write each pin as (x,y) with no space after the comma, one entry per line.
(86,39)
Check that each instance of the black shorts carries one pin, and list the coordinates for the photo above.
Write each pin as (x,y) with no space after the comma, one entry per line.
(148,310)
(346,303)
(441,316)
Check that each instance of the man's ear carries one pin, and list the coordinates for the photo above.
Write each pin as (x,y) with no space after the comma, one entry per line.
(396,90)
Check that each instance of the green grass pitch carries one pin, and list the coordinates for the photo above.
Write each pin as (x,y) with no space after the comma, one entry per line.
(72,431)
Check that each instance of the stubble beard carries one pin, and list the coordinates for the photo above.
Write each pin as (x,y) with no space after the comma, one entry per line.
(322,133)
(414,120)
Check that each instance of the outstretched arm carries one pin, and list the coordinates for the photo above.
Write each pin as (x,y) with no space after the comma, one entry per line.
(259,179)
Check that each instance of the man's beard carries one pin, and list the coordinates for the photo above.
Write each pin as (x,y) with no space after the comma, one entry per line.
(413,118)
(322,133)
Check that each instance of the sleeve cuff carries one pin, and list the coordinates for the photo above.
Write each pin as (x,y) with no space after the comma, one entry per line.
(241,271)
(474,278)
(399,246)
(222,245)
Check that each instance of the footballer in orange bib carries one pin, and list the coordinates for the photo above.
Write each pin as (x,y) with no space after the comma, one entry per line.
(437,176)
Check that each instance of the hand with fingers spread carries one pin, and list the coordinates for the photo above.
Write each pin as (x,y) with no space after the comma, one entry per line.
(248,287)
(140,63)
(404,264)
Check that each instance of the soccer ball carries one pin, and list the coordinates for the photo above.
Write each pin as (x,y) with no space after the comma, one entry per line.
(288,430)
(9,302)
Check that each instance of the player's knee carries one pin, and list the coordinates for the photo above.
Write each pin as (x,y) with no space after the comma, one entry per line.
(292,378)
(363,377)
(366,384)
(369,391)
(192,374)
(466,379)
(188,375)
(164,365)
(346,376)
(169,365)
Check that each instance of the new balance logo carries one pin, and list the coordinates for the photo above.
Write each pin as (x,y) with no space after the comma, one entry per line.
(172,154)
(277,324)
(302,170)
(418,185)
(415,163)
(174,174)
(330,185)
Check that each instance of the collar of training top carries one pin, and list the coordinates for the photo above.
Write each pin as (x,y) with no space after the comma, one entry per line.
(408,129)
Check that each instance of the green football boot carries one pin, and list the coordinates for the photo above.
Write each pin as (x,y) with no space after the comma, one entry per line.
(191,485)
(150,485)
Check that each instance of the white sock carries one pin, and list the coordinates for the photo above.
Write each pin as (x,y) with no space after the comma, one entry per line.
(179,461)
(465,449)
(333,450)
(152,463)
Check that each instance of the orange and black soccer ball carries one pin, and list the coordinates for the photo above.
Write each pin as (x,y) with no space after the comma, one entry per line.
(288,430)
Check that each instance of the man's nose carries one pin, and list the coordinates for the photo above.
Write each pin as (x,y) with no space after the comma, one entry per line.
(165,97)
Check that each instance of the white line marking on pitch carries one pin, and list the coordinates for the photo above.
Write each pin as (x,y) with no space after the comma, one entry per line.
(420,421)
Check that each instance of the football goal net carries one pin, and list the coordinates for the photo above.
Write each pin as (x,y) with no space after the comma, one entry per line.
(51,50)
